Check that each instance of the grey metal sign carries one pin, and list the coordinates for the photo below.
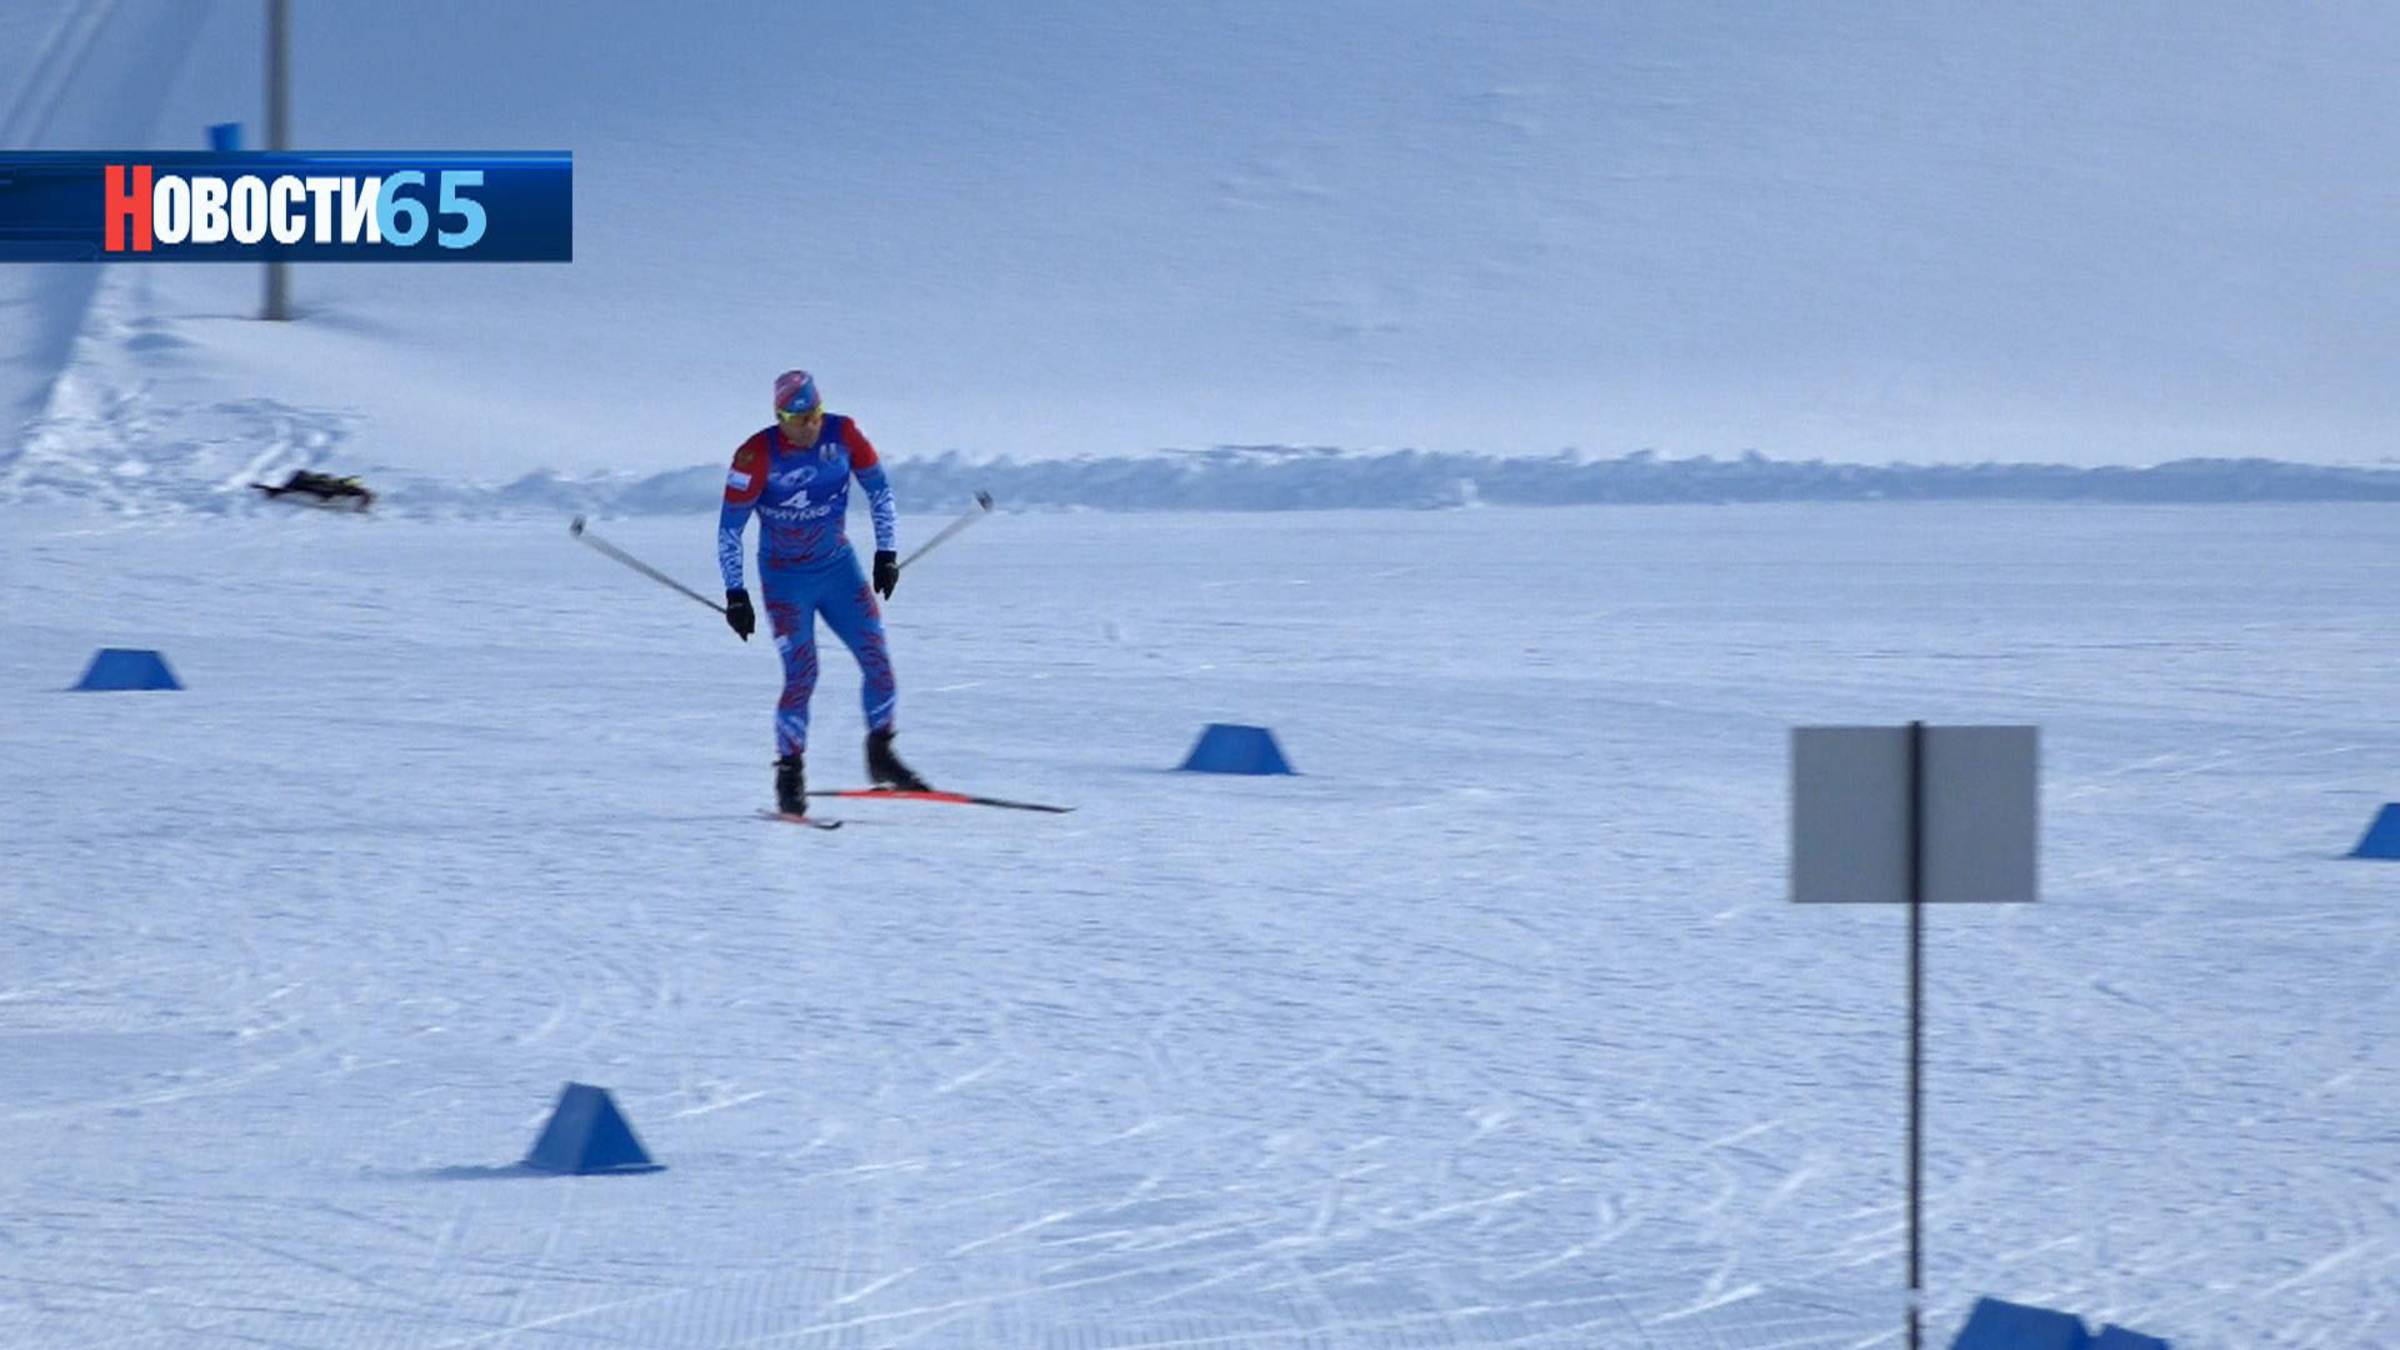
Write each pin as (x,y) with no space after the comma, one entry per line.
(1967,830)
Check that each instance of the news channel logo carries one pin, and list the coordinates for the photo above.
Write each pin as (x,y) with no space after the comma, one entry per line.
(314,206)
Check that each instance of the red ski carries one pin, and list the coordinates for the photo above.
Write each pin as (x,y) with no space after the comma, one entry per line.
(955,798)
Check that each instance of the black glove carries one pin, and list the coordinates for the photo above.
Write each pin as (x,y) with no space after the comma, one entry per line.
(737,613)
(887,572)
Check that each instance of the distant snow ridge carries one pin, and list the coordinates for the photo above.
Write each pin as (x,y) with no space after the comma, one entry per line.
(1268,478)
(205,466)
(1276,478)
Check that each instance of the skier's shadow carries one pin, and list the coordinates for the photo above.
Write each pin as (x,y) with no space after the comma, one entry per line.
(510,1172)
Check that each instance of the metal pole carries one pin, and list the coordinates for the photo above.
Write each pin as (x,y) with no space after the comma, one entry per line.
(1916,1024)
(981,508)
(279,133)
(575,527)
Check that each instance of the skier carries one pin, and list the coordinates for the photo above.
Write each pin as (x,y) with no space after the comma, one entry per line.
(796,476)
(324,488)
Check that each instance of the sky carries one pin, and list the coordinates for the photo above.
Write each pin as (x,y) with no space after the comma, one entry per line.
(1858,232)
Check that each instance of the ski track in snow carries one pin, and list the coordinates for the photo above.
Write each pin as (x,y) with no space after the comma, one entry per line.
(95,77)
(1491,1029)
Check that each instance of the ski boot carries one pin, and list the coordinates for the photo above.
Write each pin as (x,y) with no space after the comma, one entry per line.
(884,768)
(791,787)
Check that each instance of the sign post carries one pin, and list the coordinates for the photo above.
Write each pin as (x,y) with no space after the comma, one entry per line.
(1914,815)
(278,304)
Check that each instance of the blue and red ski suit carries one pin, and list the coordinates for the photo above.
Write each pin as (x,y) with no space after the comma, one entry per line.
(805,564)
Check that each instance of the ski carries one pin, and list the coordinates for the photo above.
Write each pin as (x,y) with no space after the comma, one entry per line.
(955,798)
(813,822)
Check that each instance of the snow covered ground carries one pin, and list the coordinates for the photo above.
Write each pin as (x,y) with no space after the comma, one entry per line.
(1493,1028)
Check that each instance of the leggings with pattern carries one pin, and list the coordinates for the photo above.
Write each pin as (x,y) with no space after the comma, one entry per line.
(838,590)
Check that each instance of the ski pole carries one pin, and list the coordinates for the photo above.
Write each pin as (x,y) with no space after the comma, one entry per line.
(575,527)
(982,508)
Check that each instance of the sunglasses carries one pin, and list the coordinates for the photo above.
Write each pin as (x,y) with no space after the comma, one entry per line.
(798,414)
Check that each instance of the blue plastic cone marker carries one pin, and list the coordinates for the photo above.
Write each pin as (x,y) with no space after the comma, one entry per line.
(2118,1338)
(2382,839)
(1999,1325)
(127,668)
(587,1134)
(1224,747)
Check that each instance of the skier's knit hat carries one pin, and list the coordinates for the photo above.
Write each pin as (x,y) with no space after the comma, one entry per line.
(796,392)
